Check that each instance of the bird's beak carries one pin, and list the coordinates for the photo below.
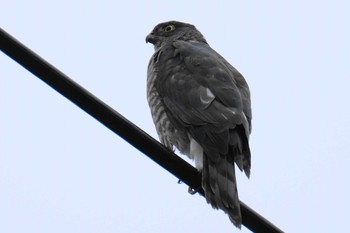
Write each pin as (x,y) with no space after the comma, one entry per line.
(151,38)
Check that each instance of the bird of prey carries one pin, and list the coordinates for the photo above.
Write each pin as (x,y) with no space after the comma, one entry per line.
(201,105)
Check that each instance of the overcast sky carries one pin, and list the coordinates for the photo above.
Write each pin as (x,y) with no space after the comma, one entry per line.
(62,171)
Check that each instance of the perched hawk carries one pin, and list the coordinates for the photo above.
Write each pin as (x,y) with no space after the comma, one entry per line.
(201,105)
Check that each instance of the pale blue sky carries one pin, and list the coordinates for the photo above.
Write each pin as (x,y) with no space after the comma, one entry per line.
(62,171)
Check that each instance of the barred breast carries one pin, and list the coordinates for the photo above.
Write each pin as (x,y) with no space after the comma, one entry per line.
(167,133)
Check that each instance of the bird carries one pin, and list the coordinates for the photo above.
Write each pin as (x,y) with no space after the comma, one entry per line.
(200,104)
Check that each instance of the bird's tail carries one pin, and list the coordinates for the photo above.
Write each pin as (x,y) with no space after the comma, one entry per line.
(219,179)
(219,184)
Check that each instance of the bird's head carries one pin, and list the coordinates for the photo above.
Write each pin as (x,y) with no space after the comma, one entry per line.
(173,30)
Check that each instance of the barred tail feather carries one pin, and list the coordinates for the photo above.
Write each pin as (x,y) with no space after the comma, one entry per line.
(219,184)
(240,149)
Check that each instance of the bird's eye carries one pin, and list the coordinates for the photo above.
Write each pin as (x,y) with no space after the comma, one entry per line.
(169,28)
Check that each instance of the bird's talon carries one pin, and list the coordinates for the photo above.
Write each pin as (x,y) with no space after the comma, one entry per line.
(191,191)
(179,182)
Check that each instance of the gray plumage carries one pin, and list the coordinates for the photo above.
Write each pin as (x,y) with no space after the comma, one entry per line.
(201,105)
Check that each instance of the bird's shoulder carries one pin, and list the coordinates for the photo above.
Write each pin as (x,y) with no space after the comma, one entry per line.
(194,83)
(215,72)
(196,65)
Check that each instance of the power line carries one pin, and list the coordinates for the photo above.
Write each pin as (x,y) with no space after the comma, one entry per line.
(118,124)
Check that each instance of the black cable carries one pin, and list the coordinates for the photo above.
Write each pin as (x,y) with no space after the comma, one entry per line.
(118,124)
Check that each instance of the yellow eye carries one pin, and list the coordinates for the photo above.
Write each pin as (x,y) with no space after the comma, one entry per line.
(169,28)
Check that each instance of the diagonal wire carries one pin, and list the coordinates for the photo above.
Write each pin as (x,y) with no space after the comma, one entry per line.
(118,124)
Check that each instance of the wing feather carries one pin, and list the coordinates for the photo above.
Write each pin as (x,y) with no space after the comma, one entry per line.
(204,93)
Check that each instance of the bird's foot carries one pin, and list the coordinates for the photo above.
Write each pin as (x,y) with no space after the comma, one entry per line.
(192,191)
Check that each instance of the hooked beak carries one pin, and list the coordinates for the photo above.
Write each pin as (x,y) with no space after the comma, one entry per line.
(151,38)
